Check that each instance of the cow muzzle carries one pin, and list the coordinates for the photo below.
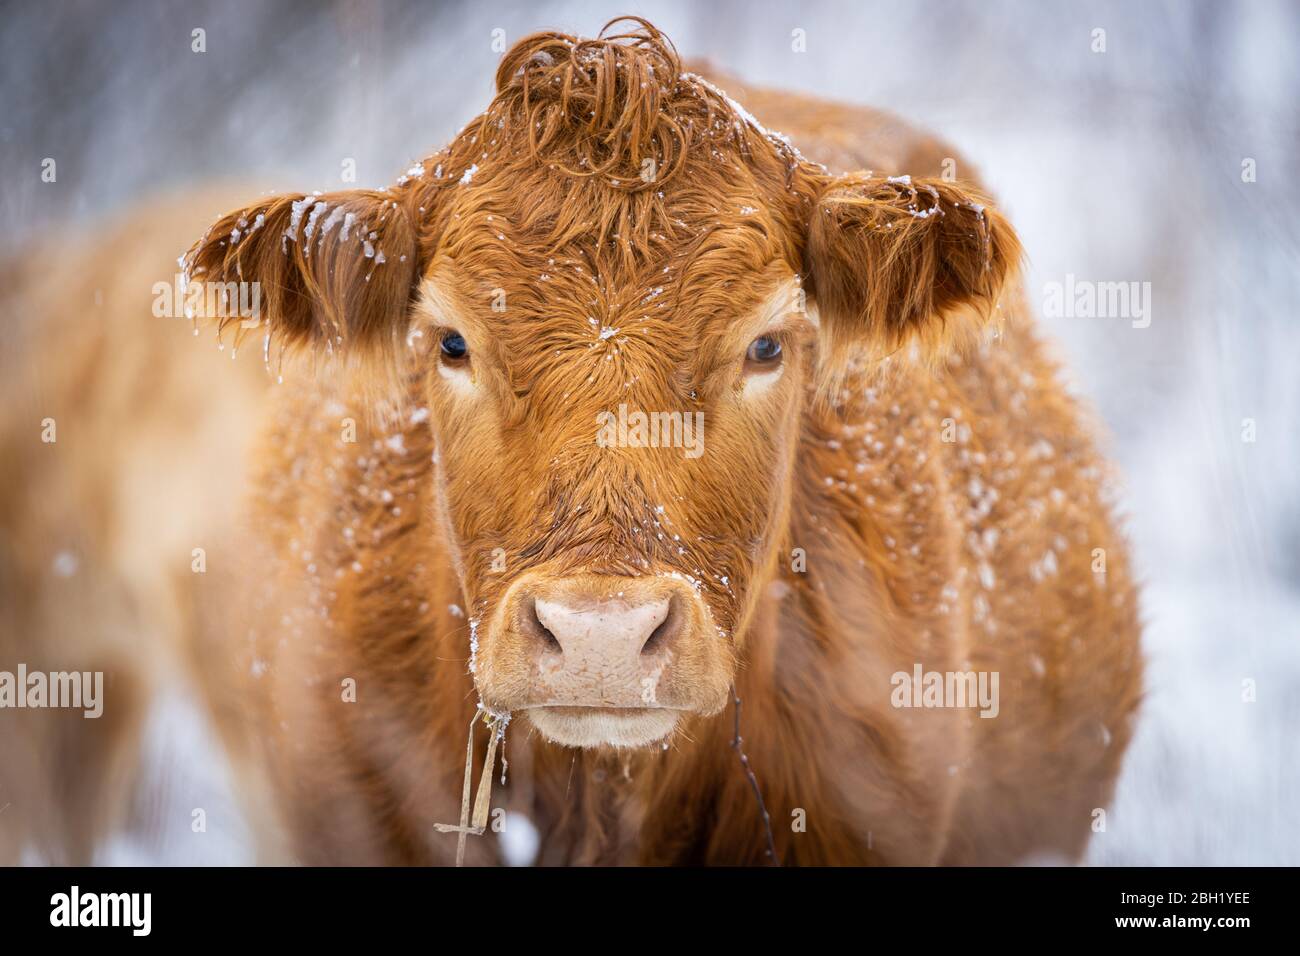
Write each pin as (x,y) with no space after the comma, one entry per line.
(599,660)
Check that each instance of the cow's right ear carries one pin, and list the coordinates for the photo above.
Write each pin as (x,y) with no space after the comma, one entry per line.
(335,272)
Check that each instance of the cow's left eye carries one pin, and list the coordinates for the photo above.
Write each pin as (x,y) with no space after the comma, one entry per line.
(454,347)
(764,350)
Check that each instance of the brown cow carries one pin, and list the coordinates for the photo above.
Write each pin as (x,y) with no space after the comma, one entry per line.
(99,522)
(621,424)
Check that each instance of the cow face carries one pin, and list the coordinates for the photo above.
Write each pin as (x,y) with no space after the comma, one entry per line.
(615,440)
(616,293)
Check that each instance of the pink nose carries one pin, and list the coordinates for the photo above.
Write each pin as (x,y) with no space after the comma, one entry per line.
(604,652)
(608,633)
(583,646)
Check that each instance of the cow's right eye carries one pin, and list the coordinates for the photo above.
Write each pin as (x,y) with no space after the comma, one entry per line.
(454,347)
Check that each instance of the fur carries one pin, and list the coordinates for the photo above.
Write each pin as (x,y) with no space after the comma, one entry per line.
(946,494)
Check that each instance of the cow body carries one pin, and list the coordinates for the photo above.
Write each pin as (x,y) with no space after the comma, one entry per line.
(949,517)
(941,512)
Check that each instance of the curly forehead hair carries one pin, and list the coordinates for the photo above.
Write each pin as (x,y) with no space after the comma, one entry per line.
(606,108)
(599,131)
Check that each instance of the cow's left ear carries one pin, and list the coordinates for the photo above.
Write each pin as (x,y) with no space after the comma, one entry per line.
(896,260)
(334,272)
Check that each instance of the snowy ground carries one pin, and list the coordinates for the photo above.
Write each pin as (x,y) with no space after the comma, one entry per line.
(1115,166)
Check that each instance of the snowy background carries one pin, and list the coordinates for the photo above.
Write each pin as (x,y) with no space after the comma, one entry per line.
(1117,166)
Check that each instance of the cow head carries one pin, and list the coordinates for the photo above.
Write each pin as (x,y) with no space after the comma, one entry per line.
(617,293)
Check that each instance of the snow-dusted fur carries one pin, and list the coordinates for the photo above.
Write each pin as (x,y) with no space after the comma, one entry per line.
(915,489)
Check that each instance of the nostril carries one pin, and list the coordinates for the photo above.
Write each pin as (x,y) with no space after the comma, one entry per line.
(531,623)
(662,635)
(551,643)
